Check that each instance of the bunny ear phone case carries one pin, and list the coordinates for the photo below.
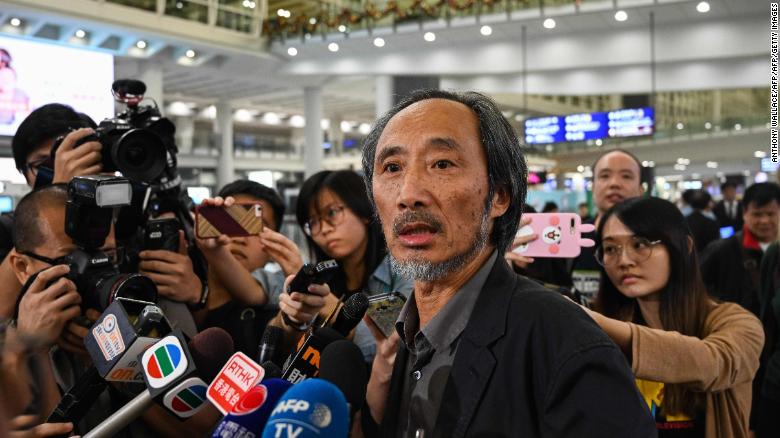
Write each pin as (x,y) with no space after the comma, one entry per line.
(559,235)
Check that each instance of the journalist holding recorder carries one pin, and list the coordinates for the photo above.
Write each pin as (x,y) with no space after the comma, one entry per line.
(483,352)
(336,216)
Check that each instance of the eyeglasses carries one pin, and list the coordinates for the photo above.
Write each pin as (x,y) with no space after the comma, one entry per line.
(334,216)
(34,165)
(638,250)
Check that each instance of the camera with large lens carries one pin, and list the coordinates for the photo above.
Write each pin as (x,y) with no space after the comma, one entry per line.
(136,142)
(92,201)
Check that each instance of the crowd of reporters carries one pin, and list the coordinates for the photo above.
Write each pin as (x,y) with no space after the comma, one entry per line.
(694,344)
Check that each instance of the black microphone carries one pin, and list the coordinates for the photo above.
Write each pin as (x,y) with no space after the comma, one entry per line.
(351,313)
(169,367)
(272,370)
(305,362)
(268,345)
(342,364)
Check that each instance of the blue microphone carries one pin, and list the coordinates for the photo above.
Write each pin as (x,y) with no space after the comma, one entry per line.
(252,411)
(313,408)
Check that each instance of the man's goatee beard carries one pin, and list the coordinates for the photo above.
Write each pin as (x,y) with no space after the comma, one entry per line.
(417,268)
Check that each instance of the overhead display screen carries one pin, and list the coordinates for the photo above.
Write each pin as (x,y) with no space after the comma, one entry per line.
(33,74)
(590,126)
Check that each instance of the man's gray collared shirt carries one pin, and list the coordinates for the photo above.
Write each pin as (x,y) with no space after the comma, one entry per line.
(431,353)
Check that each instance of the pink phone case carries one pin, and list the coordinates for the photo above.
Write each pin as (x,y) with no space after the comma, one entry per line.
(559,235)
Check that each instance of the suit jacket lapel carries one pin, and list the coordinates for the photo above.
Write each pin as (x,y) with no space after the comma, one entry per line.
(397,381)
(474,361)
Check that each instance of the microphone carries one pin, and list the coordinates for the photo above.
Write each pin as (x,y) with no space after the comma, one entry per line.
(272,370)
(268,344)
(305,362)
(312,409)
(351,313)
(251,413)
(166,368)
(342,364)
(125,329)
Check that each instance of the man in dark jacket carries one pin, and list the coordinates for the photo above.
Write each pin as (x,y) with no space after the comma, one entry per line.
(483,353)
(704,229)
(730,267)
(729,210)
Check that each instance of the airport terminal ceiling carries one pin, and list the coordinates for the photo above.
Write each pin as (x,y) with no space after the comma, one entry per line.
(270,80)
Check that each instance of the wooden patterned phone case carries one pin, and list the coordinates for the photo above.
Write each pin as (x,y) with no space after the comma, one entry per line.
(240,219)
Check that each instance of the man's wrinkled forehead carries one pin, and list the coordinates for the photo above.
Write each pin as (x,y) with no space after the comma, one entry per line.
(440,117)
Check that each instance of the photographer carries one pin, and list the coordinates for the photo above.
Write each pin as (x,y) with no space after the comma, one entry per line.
(242,296)
(31,147)
(47,310)
(51,302)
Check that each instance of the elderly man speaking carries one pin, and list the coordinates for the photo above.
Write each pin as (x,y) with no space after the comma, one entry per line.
(483,352)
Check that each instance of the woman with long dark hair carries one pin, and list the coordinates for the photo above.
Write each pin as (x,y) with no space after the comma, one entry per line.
(694,359)
(336,215)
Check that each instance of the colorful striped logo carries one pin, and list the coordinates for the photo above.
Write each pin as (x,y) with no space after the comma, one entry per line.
(164,362)
(186,398)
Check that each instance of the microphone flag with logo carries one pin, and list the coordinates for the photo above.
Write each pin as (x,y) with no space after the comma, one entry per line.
(312,408)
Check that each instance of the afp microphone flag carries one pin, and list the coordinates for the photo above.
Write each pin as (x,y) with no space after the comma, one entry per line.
(313,408)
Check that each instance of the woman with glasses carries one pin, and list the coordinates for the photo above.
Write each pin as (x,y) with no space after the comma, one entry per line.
(694,358)
(336,215)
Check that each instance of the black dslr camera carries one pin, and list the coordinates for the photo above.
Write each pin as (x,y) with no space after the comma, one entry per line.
(137,141)
(92,201)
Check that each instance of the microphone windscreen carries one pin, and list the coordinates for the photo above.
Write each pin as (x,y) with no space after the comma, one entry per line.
(272,370)
(271,335)
(326,335)
(251,413)
(210,349)
(356,305)
(342,364)
(313,408)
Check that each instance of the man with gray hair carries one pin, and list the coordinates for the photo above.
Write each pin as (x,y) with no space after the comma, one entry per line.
(483,352)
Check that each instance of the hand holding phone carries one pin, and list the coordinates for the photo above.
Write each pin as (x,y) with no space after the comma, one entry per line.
(312,274)
(383,309)
(559,235)
(230,219)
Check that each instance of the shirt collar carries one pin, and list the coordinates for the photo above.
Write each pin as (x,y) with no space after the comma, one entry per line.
(383,273)
(749,241)
(447,325)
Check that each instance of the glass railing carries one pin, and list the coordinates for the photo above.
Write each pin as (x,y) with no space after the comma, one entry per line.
(236,15)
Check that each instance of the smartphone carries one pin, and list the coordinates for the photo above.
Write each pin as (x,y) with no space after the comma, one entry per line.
(240,219)
(559,235)
(312,274)
(726,232)
(384,309)
(162,234)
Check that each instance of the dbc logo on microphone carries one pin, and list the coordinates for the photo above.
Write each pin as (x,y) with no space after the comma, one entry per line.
(186,398)
(164,362)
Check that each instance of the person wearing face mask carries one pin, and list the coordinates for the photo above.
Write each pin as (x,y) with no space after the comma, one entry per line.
(242,296)
(336,216)
(694,358)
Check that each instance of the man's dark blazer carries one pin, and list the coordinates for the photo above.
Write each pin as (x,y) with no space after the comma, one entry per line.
(724,220)
(531,364)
